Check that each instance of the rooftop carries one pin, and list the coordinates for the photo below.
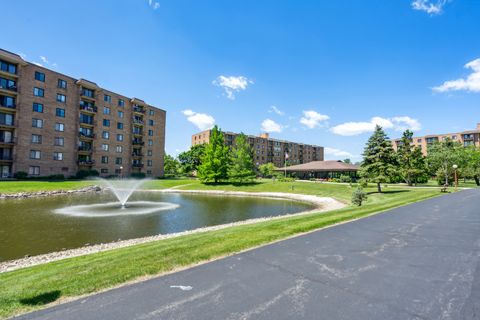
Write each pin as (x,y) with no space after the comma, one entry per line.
(327,166)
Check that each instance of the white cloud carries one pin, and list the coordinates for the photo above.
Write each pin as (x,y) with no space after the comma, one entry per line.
(429,6)
(153,4)
(45,63)
(471,83)
(44,59)
(269,125)
(337,152)
(201,120)
(312,119)
(396,123)
(274,109)
(232,84)
(23,56)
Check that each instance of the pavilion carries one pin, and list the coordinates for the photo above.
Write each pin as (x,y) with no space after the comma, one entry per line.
(322,169)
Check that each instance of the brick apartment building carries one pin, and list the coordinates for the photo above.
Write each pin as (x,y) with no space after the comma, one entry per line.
(266,149)
(466,138)
(51,123)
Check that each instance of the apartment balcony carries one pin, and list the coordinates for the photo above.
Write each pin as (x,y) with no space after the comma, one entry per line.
(86,136)
(9,141)
(137,165)
(138,143)
(138,122)
(137,154)
(87,123)
(6,158)
(7,125)
(86,162)
(139,110)
(138,133)
(9,89)
(88,109)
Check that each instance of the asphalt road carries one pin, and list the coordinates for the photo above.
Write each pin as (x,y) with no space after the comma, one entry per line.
(416,262)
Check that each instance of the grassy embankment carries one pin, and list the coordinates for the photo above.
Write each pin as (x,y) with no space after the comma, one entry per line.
(32,288)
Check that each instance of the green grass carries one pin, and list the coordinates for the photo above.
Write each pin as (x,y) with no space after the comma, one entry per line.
(34,287)
(35,186)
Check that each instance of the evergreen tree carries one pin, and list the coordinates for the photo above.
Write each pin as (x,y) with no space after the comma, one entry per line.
(241,167)
(379,160)
(214,162)
(411,160)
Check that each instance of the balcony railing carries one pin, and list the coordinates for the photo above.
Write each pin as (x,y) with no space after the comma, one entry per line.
(6,157)
(6,123)
(138,121)
(85,135)
(138,132)
(137,154)
(10,88)
(137,165)
(138,142)
(84,148)
(88,108)
(7,140)
(11,106)
(86,162)
(138,110)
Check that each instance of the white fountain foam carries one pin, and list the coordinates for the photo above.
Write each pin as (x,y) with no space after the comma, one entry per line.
(115,209)
(123,188)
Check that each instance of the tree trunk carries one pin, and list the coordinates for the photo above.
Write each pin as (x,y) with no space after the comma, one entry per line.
(477,180)
(379,187)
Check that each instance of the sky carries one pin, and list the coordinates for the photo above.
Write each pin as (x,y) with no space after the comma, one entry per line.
(310,71)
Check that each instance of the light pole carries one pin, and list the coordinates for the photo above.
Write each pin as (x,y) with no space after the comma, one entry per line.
(121,168)
(455,167)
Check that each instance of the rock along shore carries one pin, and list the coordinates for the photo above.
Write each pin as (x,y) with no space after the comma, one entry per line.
(23,195)
(322,204)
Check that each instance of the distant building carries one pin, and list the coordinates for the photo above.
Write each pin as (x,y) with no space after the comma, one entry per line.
(266,149)
(466,138)
(51,123)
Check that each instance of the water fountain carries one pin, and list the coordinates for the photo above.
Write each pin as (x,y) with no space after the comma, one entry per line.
(122,189)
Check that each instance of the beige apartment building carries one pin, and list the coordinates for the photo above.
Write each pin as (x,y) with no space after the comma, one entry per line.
(266,149)
(466,138)
(51,123)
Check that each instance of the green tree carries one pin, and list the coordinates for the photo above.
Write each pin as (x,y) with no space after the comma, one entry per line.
(190,160)
(347,160)
(379,160)
(441,158)
(171,165)
(410,159)
(267,169)
(470,163)
(215,160)
(241,168)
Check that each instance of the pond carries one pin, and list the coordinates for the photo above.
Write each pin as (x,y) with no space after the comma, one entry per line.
(41,225)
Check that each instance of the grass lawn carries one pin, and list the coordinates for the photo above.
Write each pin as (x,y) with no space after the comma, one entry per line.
(34,287)
(34,186)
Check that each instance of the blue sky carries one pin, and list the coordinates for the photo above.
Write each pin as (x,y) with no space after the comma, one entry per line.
(320,72)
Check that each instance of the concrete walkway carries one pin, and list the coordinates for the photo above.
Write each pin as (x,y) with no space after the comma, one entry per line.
(416,262)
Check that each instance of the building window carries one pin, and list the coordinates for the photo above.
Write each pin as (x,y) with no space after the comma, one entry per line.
(149,153)
(87,119)
(107,98)
(121,103)
(34,170)
(8,67)
(59,112)
(37,123)
(151,112)
(149,163)
(119,125)
(37,107)
(88,93)
(58,156)
(119,149)
(103,170)
(150,142)
(38,92)
(62,84)
(8,84)
(119,137)
(105,147)
(105,135)
(59,141)
(106,110)
(36,139)
(61,98)
(6,101)
(59,127)
(120,114)
(149,171)
(104,159)
(150,133)
(106,123)
(35,154)
(40,76)
(118,161)
(150,122)
(419,140)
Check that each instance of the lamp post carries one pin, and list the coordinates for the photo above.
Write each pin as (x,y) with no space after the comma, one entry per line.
(455,167)
(121,168)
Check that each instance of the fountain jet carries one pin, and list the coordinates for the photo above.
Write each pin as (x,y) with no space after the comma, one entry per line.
(123,188)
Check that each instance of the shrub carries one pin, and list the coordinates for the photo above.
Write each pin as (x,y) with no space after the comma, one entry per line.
(359,196)
(20,175)
(56,177)
(345,178)
(363,183)
(137,175)
(82,174)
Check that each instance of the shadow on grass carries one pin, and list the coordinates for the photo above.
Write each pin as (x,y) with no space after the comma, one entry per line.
(232,183)
(42,299)
(388,191)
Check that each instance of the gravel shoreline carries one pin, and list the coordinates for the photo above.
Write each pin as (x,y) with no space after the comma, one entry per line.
(322,204)
(23,195)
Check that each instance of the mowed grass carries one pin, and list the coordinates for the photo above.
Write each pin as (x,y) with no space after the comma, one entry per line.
(7,187)
(35,287)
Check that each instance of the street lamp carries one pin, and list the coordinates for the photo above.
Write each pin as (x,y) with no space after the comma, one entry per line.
(121,168)
(455,167)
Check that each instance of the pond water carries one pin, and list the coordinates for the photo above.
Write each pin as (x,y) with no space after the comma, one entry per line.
(41,225)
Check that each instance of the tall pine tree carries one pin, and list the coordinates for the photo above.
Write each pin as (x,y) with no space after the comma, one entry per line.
(410,159)
(379,159)
(214,164)
(241,167)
